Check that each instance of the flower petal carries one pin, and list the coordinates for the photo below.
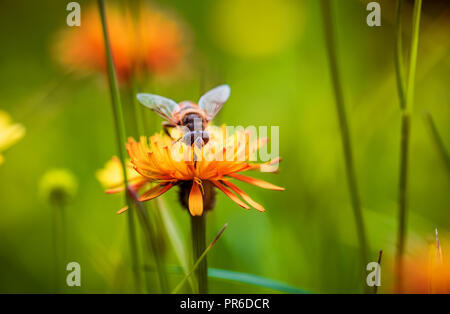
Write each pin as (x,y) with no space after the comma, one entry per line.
(257,182)
(228,193)
(115,190)
(244,195)
(155,192)
(195,200)
(120,211)
(270,166)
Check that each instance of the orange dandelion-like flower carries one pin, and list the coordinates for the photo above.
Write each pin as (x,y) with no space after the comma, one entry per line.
(168,163)
(149,41)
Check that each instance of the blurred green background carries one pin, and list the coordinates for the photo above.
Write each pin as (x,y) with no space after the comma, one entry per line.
(272,54)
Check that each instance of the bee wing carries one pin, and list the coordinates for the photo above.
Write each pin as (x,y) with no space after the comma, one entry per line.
(213,100)
(161,105)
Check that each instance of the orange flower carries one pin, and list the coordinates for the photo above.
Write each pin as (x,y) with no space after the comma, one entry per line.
(428,269)
(168,163)
(149,42)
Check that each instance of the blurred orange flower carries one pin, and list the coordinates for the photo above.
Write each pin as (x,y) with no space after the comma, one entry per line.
(160,160)
(147,42)
(428,269)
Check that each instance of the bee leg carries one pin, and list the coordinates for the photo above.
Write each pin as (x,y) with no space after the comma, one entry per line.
(199,143)
(166,126)
(176,141)
(205,137)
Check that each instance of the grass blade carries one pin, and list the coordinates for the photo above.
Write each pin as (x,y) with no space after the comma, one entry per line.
(405,129)
(345,133)
(413,54)
(380,255)
(200,259)
(176,239)
(120,137)
(148,226)
(253,280)
(437,139)
(401,86)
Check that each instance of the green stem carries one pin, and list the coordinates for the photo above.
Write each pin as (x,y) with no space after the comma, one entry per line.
(133,246)
(403,186)
(401,86)
(153,245)
(413,55)
(198,230)
(380,255)
(255,280)
(176,239)
(406,104)
(200,260)
(120,137)
(149,220)
(137,109)
(345,133)
(59,244)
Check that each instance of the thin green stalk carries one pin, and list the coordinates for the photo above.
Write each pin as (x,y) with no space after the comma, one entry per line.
(146,246)
(345,133)
(403,146)
(375,288)
(120,136)
(133,130)
(149,220)
(152,242)
(59,244)
(137,109)
(401,86)
(437,139)
(413,55)
(245,278)
(176,238)
(406,104)
(201,259)
(403,186)
(198,231)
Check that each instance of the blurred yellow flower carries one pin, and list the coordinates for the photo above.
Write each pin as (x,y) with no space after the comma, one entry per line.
(58,186)
(10,133)
(254,28)
(111,177)
(168,163)
(148,42)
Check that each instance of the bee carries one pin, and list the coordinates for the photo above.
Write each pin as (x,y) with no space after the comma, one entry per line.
(190,117)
